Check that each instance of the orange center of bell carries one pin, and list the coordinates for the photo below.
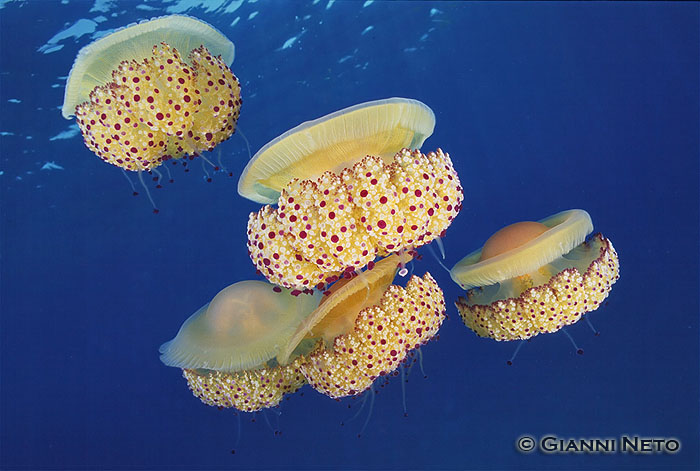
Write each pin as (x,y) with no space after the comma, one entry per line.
(511,237)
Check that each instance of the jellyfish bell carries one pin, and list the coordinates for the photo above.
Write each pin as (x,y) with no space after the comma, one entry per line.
(536,277)
(349,187)
(96,62)
(335,142)
(227,348)
(154,91)
(242,327)
(521,248)
(341,304)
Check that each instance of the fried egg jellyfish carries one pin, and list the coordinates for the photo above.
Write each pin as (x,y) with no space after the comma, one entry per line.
(256,342)
(368,327)
(227,348)
(535,277)
(349,187)
(154,91)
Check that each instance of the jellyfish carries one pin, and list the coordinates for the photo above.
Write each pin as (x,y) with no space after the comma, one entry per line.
(154,91)
(535,277)
(367,327)
(255,342)
(349,187)
(227,348)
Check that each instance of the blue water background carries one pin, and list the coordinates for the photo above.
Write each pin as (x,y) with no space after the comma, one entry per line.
(542,106)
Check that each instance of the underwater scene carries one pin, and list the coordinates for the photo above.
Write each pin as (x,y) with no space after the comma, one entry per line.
(332,234)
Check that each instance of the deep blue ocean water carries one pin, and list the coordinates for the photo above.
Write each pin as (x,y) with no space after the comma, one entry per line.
(542,106)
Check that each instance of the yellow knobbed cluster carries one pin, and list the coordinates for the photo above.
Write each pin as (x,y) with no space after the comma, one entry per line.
(547,308)
(323,227)
(249,390)
(161,109)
